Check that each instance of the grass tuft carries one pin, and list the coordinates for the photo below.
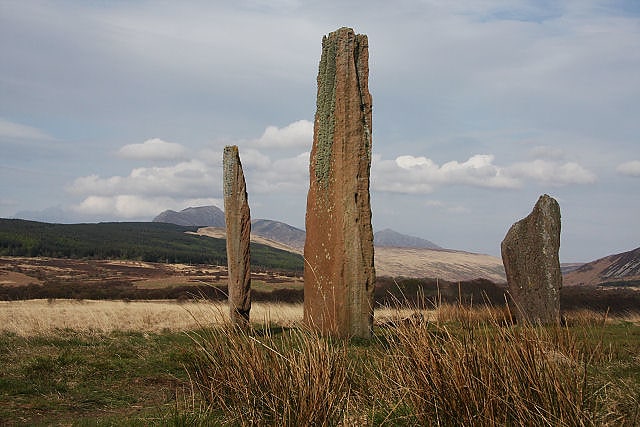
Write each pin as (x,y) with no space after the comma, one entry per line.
(290,378)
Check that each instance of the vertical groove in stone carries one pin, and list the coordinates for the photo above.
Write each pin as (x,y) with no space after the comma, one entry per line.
(339,271)
(530,254)
(238,229)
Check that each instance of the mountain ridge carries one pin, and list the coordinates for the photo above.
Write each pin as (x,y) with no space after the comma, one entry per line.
(199,216)
(391,238)
(618,268)
(212,216)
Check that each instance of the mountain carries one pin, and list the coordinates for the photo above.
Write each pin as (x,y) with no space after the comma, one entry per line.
(390,238)
(568,267)
(280,232)
(396,254)
(619,269)
(202,216)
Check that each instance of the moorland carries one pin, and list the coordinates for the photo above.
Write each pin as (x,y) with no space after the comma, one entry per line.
(109,327)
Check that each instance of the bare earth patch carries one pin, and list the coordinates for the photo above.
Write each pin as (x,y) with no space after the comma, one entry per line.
(20,271)
(11,278)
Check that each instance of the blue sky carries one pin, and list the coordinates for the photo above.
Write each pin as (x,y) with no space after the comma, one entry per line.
(119,110)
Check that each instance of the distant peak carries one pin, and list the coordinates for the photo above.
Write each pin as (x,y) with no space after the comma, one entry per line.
(389,237)
(201,216)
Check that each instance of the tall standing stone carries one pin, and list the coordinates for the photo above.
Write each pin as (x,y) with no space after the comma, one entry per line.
(530,257)
(238,223)
(339,271)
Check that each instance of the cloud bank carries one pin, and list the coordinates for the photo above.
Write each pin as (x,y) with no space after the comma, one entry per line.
(420,175)
(147,190)
(296,134)
(153,149)
(631,168)
(9,129)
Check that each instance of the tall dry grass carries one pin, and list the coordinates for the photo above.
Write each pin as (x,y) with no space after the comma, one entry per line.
(293,379)
(37,317)
(486,375)
(453,366)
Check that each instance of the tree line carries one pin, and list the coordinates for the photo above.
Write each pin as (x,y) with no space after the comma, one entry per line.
(140,241)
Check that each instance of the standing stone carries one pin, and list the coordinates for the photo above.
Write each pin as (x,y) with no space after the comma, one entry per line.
(338,251)
(530,258)
(238,222)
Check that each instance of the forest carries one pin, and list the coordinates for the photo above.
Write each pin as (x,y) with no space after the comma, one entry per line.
(140,241)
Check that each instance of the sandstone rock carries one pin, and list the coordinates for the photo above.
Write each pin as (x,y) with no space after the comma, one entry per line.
(238,223)
(530,257)
(339,271)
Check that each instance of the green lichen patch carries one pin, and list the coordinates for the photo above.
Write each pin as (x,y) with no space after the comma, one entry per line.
(230,162)
(325,107)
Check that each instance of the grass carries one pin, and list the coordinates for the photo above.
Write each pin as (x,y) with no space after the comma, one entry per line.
(294,379)
(38,317)
(70,376)
(450,366)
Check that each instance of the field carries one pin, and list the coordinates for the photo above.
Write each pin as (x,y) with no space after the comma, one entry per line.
(58,278)
(166,363)
(154,348)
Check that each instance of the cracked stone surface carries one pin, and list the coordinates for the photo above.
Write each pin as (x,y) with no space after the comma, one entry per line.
(532,265)
(339,270)
(238,228)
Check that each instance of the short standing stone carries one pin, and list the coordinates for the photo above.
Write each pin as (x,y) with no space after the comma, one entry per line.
(339,271)
(238,223)
(530,257)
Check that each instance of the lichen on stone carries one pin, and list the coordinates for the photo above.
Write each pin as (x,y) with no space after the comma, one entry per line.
(325,107)
(230,158)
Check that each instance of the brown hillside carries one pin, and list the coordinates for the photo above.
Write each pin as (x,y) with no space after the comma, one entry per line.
(410,262)
(623,267)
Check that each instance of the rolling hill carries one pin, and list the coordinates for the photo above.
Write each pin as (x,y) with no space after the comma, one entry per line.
(396,254)
(144,241)
(621,269)
(453,266)
(390,238)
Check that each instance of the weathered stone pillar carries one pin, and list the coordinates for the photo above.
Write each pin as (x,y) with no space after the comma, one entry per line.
(530,257)
(238,222)
(339,271)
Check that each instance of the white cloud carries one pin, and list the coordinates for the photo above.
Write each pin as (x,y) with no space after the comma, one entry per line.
(296,134)
(552,173)
(146,191)
(153,149)
(186,179)
(420,175)
(409,174)
(287,174)
(254,159)
(130,206)
(10,129)
(631,168)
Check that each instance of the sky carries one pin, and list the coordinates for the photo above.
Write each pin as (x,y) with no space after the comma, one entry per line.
(119,110)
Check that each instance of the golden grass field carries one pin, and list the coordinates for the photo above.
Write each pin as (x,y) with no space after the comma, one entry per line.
(42,317)
(75,362)
(38,317)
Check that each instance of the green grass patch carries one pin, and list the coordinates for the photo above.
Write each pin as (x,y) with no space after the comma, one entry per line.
(67,376)
(456,370)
